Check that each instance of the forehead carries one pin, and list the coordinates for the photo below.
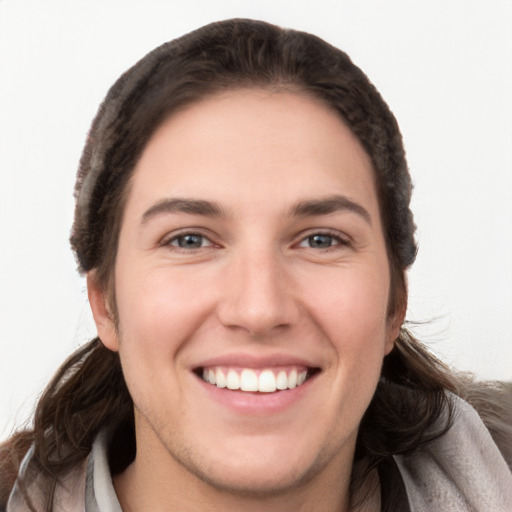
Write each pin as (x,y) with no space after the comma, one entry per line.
(254,147)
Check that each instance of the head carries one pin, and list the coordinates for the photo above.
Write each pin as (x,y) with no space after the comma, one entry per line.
(295,91)
(224,56)
(287,87)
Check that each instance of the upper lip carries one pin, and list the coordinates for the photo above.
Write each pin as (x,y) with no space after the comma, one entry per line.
(252,361)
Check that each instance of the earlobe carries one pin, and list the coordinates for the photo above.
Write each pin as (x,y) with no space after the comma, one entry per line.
(103,318)
(395,323)
(393,334)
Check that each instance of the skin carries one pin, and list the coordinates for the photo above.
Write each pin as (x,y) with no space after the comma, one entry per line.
(255,286)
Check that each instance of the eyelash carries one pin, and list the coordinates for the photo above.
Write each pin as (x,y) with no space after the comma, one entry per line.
(184,235)
(336,241)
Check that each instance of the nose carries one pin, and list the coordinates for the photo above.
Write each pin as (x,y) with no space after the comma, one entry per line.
(258,294)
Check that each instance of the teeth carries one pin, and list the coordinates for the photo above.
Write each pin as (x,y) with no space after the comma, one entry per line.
(282,380)
(267,382)
(292,379)
(249,380)
(232,380)
(220,379)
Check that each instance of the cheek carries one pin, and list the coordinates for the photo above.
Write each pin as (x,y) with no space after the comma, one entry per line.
(156,317)
(353,304)
(159,309)
(353,316)
(351,309)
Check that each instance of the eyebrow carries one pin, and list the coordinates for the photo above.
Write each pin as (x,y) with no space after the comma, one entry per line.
(325,206)
(182,205)
(310,207)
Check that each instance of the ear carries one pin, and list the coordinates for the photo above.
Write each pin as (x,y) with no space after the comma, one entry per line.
(103,318)
(395,322)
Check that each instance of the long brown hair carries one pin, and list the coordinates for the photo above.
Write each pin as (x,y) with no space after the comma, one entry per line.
(88,393)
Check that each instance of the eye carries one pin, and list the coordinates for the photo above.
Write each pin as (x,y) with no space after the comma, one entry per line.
(190,241)
(322,241)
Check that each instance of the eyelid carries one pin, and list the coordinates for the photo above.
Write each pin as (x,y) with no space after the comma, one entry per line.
(170,237)
(341,238)
(205,241)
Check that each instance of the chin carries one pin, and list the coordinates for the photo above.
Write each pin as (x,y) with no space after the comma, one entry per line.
(256,480)
(258,468)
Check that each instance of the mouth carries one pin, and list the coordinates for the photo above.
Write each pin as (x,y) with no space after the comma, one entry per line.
(256,380)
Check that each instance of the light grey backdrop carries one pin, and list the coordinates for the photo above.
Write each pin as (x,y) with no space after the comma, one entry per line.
(445,68)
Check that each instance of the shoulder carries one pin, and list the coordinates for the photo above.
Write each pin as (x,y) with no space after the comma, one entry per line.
(493,403)
(69,494)
(464,469)
(88,487)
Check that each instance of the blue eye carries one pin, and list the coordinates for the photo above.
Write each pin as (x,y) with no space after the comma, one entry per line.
(321,241)
(190,241)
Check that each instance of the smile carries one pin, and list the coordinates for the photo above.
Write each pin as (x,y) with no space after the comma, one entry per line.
(264,380)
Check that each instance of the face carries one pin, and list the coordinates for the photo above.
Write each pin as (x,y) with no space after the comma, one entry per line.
(251,285)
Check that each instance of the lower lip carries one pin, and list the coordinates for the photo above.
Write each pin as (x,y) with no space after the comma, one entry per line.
(249,403)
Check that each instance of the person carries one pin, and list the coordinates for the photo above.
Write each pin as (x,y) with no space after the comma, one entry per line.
(242,217)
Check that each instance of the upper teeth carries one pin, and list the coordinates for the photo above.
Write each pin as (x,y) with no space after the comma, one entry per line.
(247,379)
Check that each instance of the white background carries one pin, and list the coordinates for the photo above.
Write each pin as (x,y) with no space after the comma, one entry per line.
(445,68)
